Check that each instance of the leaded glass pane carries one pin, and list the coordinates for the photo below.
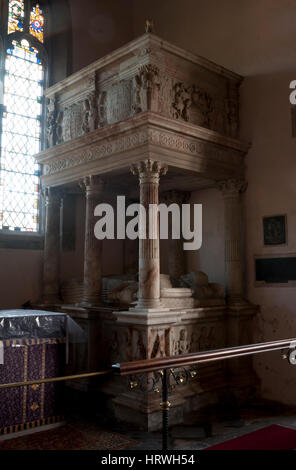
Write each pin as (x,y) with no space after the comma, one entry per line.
(21,129)
(36,23)
(16,15)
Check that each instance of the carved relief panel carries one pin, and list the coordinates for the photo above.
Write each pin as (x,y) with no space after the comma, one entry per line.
(197,337)
(157,79)
(118,103)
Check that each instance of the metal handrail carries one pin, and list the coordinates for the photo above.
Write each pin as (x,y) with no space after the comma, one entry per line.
(55,379)
(166,367)
(150,365)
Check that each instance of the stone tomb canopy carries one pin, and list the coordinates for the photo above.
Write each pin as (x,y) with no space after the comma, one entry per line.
(148,99)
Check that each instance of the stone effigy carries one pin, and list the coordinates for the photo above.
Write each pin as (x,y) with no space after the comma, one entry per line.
(204,293)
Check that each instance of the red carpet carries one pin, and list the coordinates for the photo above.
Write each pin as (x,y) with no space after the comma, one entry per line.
(272,437)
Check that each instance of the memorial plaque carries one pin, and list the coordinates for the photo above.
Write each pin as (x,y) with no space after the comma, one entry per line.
(274,230)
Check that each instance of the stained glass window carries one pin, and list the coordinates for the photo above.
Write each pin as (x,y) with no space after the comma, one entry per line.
(21,137)
(36,23)
(16,15)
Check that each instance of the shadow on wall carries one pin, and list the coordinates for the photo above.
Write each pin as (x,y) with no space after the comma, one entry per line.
(20,277)
(270,170)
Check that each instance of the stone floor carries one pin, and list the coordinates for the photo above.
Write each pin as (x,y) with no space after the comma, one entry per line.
(215,425)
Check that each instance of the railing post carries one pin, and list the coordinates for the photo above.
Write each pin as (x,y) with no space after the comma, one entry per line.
(165,405)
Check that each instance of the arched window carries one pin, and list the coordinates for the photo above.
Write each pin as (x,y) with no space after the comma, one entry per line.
(21,130)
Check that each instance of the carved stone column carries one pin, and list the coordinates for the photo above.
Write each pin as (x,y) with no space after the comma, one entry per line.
(51,260)
(176,254)
(149,172)
(93,186)
(231,190)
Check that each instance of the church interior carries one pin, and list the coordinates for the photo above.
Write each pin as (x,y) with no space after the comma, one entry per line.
(187,105)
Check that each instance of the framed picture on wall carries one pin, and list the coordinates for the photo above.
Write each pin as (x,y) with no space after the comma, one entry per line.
(275,230)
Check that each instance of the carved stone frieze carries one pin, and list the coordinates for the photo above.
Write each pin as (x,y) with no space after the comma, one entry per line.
(196,105)
(193,104)
(148,74)
(164,139)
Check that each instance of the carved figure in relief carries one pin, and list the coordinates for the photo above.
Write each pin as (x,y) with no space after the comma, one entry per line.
(50,125)
(194,99)
(59,127)
(137,107)
(101,107)
(182,101)
(89,114)
(147,87)
(85,115)
(182,344)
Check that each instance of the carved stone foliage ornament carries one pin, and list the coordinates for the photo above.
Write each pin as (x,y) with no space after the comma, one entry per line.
(52,195)
(149,170)
(92,184)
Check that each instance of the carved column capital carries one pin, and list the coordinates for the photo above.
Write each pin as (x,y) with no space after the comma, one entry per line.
(52,195)
(232,186)
(92,185)
(149,170)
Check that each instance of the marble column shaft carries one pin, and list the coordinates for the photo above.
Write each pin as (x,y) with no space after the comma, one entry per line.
(176,254)
(149,172)
(231,190)
(51,260)
(93,186)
